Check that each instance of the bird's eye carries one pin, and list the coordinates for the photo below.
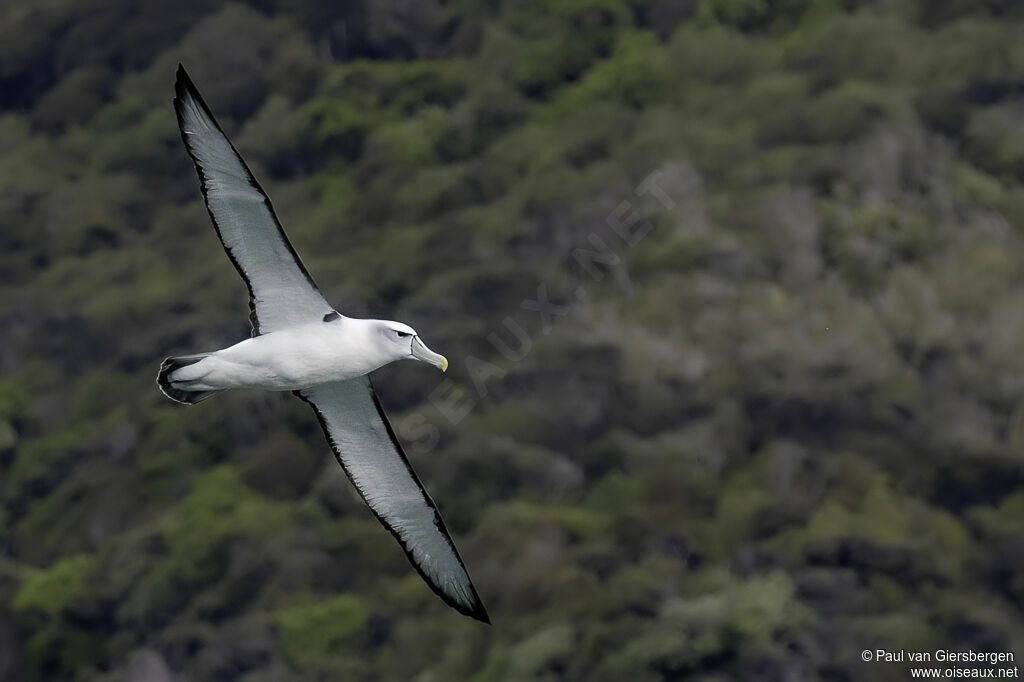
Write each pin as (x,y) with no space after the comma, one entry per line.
(402,335)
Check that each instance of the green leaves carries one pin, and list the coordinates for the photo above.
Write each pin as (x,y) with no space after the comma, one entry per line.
(57,589)
(320,628)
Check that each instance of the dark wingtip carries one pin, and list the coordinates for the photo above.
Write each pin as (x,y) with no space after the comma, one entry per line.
(182,86)
(181,80)
(185,89)
(480,613)
(475,610)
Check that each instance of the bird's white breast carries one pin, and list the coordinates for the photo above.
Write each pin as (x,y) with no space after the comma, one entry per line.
(295,358)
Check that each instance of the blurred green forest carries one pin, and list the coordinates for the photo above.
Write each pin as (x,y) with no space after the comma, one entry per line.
(786,426)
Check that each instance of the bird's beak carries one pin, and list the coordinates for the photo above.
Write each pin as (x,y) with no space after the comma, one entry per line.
(421,352)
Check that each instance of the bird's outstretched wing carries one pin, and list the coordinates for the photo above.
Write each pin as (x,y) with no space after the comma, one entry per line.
(368,451)
(281,292)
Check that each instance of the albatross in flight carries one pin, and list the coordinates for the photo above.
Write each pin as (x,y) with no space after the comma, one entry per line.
(301,344)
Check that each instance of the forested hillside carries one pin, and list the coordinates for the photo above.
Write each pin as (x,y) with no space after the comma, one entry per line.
(732,290)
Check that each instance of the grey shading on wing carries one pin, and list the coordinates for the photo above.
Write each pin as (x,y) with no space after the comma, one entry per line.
(281,292)
(368,451)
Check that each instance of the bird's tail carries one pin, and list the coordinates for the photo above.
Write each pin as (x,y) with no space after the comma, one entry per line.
(182,394)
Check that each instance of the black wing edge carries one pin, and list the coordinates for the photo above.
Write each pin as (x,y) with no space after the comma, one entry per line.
(183,86)
(477,610)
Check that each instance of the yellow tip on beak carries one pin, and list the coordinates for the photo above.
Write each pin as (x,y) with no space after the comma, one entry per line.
(421,352)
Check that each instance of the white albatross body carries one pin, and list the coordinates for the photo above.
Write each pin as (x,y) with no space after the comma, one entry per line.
(301,344)
(294,358)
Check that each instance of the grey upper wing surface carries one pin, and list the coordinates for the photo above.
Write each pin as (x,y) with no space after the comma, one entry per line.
(281,292)
(367,449)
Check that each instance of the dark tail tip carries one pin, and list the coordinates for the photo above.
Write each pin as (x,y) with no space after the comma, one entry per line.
(177,394)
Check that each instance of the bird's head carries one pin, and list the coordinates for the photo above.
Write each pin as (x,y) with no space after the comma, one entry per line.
(401,341)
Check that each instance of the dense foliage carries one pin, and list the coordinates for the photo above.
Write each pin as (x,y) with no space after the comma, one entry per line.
(783,425)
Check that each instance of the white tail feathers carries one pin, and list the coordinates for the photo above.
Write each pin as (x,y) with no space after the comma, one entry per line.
(181,394)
